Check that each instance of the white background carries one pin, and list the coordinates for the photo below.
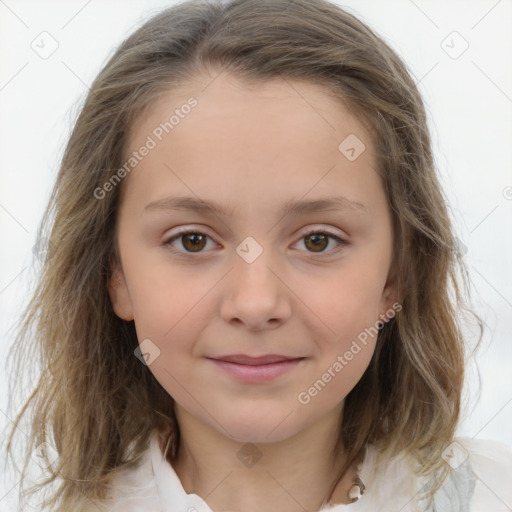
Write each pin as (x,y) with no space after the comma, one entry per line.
(469,102)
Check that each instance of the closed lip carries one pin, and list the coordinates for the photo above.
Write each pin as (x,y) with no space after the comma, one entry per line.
(250,360)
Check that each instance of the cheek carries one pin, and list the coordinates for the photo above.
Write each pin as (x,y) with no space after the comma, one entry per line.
(170,311)
(347,304)
(172,321)
(343,357)
(166,297)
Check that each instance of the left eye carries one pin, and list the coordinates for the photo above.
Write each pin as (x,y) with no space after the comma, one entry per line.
(195,241)
(319,240)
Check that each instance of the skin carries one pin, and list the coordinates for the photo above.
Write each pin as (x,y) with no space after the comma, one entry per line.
(252,147)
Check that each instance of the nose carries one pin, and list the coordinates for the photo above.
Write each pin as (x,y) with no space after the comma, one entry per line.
(255,295)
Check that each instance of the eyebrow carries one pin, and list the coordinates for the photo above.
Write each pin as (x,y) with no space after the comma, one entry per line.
(291,207)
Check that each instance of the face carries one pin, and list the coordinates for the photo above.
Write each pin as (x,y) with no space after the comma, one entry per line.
(294,262)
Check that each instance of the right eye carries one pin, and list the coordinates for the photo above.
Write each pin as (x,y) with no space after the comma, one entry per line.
(192,241)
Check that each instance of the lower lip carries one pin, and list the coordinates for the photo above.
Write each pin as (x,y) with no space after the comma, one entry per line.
(260,372)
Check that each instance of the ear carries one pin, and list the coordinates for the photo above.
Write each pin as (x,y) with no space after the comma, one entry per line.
(120,295)
(389,299)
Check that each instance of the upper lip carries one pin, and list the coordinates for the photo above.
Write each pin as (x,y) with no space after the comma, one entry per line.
(245,359)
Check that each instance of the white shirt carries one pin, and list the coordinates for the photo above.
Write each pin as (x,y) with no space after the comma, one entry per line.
(481,481)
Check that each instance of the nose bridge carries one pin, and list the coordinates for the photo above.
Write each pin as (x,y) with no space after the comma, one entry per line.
(252,267)
(254,293)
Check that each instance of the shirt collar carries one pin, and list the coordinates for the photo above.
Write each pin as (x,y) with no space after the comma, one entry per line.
(173,497)
(170,490)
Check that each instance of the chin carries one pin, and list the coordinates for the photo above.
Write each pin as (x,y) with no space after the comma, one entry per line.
(261,427)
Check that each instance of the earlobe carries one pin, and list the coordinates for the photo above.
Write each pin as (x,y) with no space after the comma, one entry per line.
(120,296)
(389,300)
(388,308)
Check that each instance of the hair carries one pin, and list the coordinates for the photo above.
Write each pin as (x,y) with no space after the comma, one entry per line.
(94,401)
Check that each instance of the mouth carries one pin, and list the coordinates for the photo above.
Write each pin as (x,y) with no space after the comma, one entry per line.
(256,369)
(255,360)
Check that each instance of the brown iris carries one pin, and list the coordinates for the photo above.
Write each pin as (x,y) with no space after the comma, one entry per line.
(193,242)
(319,241)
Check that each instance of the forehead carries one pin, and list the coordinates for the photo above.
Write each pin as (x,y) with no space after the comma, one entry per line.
(256,137)
(264,104)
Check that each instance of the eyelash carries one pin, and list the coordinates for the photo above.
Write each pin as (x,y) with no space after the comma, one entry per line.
(340,241)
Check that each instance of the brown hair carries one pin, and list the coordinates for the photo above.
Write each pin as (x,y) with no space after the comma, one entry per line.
(94,400)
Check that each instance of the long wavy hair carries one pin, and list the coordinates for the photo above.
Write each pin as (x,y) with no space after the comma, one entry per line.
(94,402)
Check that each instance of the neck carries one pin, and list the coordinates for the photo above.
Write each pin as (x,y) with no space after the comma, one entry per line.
(290,475)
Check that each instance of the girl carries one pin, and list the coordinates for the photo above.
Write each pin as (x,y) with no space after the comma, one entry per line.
(251,295)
